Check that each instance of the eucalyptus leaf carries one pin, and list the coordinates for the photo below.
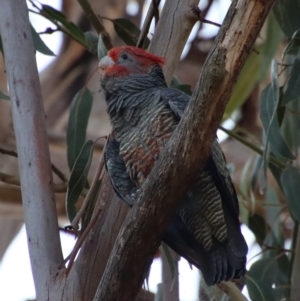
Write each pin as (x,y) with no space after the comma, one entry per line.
(128,32)
(4,96)
(268,279)
(287,14)
(255,68)
(1,46)
(246,81)
(39,44)
(258,226)
(268,113)
(78,120)
(258,290)
(258,163)
(91,39)
(78,178)
(290,181)
(101,48)
(293,86)
(293,47)
(59,17)
(273,40)
(273,212)
(184,88)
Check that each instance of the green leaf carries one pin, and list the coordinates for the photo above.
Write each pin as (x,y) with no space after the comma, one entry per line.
(256,67)
(174,82)
(293,47)
(258,291)
(77,124)
(78,178)
(274,37)
(246,81)
(268,113)
(282,290)
(290,181)
(273,212)
(101,48)
(293,86)
(128,32)
(280,108)
(184,88)
(91,39)
(39,44)
(276,172)
(258,163)
(4,96)
(1,46)
(287,14)
(59,17)
(291,125)
(258,226)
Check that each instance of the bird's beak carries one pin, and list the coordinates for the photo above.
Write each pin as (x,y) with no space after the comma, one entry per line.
(104,63)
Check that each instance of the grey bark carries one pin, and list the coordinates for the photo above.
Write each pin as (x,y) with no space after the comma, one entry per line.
(32,145)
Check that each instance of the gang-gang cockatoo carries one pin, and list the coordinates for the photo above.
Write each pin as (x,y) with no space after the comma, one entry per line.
(144,112)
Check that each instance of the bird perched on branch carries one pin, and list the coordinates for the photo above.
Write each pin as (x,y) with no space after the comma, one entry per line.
(144,112)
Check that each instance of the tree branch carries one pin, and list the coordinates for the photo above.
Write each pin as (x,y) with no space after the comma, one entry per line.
(14,180)
(174,27)
(32,145)
(58,172)
(140,236)
(96,22)
(145,29)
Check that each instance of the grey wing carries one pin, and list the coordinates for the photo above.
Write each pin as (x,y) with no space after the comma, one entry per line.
(176,100)
(117,172)
(207,228)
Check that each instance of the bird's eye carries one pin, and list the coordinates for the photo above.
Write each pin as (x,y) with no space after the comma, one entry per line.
(124,56)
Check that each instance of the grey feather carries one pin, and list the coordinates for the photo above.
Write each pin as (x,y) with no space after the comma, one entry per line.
(205,229)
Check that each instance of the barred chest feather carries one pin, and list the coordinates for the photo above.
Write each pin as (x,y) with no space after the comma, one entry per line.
(141,145)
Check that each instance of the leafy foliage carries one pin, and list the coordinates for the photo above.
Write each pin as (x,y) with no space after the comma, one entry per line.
(78,178)
(4,96)
(128,32)
(77,125)
(39,44)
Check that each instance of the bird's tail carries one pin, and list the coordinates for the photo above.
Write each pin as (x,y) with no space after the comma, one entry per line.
(224,261)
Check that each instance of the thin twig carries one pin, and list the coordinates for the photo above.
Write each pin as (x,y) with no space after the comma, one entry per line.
(81,239)
(196,10)
(232,291)
(8,152)
(96,22)
(48,30)
(58,172)
(81,211)
(15,181)
(66,230)
(205,11)
(9,179)
(43,13)
(145,29)
(156,11)
(255,148)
